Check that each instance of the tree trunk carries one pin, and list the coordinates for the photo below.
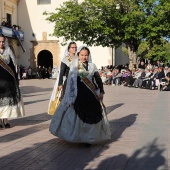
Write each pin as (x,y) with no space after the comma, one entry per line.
(132,58)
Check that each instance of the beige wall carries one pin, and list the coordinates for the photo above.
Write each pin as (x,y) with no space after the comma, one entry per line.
(33,22)
(10,7)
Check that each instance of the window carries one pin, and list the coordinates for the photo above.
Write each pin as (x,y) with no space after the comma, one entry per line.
(43,1)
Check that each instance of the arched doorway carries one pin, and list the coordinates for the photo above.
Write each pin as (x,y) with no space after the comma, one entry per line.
(45,59)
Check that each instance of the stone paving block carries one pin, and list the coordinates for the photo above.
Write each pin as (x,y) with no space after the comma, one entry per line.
(140,133)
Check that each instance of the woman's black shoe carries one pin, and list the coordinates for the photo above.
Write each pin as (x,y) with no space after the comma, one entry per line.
(87,145)
(2,126)
(7,125)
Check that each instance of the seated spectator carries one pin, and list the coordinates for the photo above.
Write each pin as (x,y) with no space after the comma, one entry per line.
(137,74)
(166,70)
(124,75)
(147,78)
(152,78)
(126,79)
(139,77)
(103,77)
(158,78)
(117,77)
(166,87)
(131,77)
(168,73)
(108,76)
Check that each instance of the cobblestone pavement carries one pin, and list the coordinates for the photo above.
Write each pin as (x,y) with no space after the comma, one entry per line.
(140,129)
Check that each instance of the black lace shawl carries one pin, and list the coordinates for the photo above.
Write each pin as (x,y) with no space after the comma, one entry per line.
(86,106)
(9,89)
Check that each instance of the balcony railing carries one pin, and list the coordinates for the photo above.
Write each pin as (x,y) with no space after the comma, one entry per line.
(8,32)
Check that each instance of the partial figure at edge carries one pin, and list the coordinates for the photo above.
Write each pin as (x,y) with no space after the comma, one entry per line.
(11,103)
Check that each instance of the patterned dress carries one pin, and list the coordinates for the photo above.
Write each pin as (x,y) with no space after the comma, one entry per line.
(84,121)
(11,104)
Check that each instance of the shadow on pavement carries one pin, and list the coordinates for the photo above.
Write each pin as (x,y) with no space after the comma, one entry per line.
(31,95)
(36,122)
(33,89)
(148,157)
(36,101)
(118,126)
(30,120)
(23,133)
(113,107)
(56,153)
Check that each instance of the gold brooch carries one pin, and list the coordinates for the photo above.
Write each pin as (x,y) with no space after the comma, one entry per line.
(3,56)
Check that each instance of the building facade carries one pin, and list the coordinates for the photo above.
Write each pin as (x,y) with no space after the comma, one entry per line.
(8,14)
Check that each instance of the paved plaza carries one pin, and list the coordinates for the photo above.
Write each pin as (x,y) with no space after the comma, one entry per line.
(140,126)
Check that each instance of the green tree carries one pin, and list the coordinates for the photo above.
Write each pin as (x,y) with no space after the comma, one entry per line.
(158,52)
(112,22)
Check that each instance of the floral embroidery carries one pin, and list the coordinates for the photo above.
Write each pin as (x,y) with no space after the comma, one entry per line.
(69,59)
(2,56)
(82,71)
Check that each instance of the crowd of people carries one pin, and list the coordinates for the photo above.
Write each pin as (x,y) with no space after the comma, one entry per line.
(145,76)
(41,72)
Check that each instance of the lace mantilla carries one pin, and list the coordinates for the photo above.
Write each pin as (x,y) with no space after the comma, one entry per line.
(9,94)
(67,60)
(6,55)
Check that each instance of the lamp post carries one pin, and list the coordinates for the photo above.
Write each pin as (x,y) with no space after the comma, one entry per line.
(112,46)
(112,54)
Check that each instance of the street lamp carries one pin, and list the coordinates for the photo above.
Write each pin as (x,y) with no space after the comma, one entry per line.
(112,54)
(112,46)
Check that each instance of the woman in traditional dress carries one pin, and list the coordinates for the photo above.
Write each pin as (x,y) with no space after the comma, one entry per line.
(61,81)
(11,105)
(65,65)
(80,117)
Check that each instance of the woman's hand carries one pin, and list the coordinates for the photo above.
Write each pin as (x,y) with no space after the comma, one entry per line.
(101,96)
